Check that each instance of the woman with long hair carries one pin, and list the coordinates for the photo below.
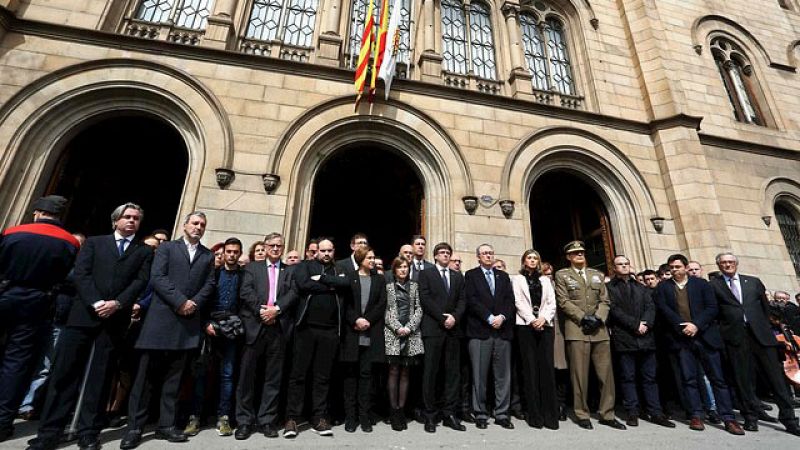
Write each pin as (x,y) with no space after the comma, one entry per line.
(403,337)
(536,306)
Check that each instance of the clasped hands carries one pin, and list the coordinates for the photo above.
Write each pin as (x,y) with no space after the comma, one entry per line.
(689,329)
(538,323)
(187,308)
(449,321)
(362,324)
(268,314)
(105,308)
(590,323)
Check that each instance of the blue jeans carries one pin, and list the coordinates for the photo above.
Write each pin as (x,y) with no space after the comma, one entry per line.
(643,364)
(225,351)
(692,357)
(42,371)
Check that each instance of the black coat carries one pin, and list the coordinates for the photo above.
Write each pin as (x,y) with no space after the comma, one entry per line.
(481,304)
(703,307)
(338,283)
(102,274)
(254,293)
(436,301)
(36,256)
(374,312)
(176,280)
(627,312)
(754,306)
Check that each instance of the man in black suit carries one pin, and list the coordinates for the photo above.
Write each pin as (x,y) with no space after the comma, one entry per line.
(183,280)
(489,328)
(268,295)
(318,325)
(744,325)
(689,309)
(348,265)
(418,262)
(110,273)
(441,294)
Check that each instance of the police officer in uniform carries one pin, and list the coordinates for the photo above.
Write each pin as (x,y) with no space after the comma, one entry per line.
(581,295)
(33,258)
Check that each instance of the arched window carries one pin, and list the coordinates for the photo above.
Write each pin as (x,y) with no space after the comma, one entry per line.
(739,81)
(791,233)
(546,52)
(357,14)
(289,21)
(192,14)
(476,58)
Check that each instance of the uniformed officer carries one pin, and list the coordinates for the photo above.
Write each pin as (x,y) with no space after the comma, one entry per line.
(33,259)
(581,294)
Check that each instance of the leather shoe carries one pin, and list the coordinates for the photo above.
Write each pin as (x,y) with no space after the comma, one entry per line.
(585,424)
(350,425)
(792,428)
(467,416)
(430,426)
(613,423)
(562,414)
(505,423)
(632,421)
(517,414)
(750,425)
(453,423)
(713,418)
(243,432)
(171,434)
(766,406)
(132,439)
(481,424)
(43,443)
(663,421)
(88,443)
(733,427)
(270,431)
(762,415)
(696,424)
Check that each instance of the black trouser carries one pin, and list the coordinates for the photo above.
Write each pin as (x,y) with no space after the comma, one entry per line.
(270,344)
(466,378)
(23,319)
(643,363)
(358,386)
(539,381)
(743,358)
(72,354)
(164,367)
(315,349)
(442,353)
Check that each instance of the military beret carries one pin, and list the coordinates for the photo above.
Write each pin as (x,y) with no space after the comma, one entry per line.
(53,204)
(574,246)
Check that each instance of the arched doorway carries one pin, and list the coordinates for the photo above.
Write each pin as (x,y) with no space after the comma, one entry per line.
(563,208)
(372,189)
(135,158)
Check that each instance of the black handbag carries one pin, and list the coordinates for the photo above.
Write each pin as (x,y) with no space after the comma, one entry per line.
(227,325)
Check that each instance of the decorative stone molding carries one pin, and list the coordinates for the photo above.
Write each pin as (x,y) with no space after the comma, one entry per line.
(271,182)
(507,207)
(470,204)
(225,177)
(658,223)
(330,49)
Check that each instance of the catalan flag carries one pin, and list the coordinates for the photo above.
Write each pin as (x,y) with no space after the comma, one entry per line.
(366,51)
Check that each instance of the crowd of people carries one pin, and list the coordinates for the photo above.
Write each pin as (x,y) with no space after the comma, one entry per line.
(274,341)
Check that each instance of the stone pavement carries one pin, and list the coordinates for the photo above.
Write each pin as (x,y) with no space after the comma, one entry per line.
(569,437)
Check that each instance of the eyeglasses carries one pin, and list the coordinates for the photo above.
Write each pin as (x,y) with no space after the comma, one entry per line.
(456,261)
(273,245)
(487,253)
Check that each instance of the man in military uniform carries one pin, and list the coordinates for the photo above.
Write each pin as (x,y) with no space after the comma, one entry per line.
(581,294)
(33,258)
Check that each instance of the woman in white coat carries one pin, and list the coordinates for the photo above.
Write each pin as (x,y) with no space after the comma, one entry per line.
(536,306)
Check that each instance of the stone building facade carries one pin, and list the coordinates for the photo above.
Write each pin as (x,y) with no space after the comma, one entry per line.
(678,118)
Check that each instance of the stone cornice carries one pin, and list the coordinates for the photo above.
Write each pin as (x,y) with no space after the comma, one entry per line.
(748,146)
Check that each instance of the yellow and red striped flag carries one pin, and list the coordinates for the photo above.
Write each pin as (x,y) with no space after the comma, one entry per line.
(365,52)
(380,47)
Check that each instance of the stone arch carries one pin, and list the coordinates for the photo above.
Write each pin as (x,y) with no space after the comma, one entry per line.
(704,26)
(616,180)
(37,122)
(316,135)
(779,189)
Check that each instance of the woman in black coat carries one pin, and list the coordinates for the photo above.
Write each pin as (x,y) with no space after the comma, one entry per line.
(363,341)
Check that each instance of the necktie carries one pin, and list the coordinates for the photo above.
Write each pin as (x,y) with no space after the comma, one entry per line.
(490,280)
(580,273)
(444,279)
(273,284)
(735,290)
(121,247)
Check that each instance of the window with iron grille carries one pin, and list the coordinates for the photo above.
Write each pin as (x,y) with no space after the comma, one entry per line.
(289,21)
(791,234)
(192,14)
(547,52)
(357,16)
(467,39)
(737,76)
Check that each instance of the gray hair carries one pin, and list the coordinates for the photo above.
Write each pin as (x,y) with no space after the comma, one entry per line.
(200,214)
(478,249)
(120,210)
(720,255)
(272,236)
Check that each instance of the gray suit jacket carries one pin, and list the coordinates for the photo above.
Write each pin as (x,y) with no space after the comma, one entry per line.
(176,280)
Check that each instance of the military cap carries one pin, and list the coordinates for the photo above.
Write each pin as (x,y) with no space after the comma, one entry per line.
(574,246)
(53,204)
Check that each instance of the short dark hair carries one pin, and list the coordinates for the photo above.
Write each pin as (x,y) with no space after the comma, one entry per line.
(358,235)
(662,269)
(678,257)
(311,241)
(160,231)
(418,236)
(649,272)
(233,241)
(442,246)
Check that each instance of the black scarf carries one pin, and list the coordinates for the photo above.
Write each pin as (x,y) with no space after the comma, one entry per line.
(534,287)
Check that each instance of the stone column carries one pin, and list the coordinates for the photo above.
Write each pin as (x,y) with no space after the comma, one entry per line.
(220,32)
(519,79)
(330,42)
(430,62)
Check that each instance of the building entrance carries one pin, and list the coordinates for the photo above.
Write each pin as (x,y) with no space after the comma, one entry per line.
(372,189)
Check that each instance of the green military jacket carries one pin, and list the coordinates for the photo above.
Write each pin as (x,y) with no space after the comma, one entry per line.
(577,298)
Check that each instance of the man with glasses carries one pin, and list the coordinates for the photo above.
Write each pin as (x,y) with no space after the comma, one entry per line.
(582,296)
(749,341)
(489,328)
(311,249)
(455,262)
